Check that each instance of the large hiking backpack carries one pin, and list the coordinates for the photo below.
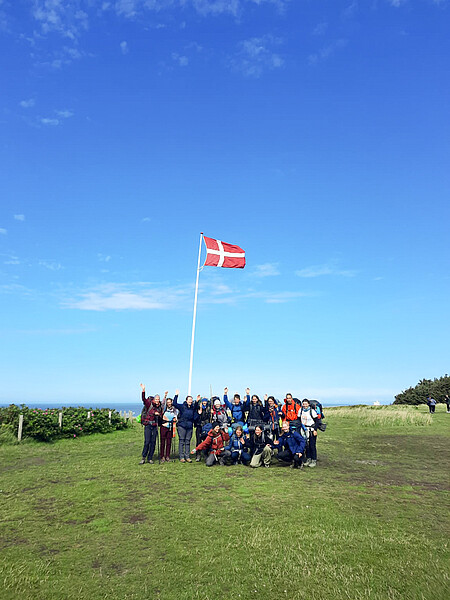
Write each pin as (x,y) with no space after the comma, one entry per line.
(317,406)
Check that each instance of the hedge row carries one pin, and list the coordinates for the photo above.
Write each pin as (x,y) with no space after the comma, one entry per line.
(43,425)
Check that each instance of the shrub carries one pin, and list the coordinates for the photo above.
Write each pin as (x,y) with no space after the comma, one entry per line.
(43,425)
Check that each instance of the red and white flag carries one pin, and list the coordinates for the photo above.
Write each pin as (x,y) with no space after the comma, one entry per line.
(221,254)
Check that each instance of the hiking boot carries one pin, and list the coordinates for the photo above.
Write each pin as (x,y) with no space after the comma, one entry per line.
(142,462)
(167,459)
(312,464)
(293,466)
(198,459)
(188,460)
(162,460)
(307,462)
(182,460)
(267,466)
(150,462)
(221,462)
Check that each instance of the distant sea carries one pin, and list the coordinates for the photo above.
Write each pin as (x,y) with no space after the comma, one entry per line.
(136,407)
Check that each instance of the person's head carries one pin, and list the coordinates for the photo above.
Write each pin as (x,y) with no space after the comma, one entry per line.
(216,427)
(217,404)
(169,402)
(157,399)
(305,404)
(255,399)
(236,399)
(189,400)
(239,431)
(258,430)
(205,402)
(288,398)
(271,401)
(285,427)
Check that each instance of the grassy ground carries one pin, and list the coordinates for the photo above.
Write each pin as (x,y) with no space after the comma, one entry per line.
(81,520)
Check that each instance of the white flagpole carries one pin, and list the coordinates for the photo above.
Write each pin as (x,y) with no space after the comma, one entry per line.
(195,314)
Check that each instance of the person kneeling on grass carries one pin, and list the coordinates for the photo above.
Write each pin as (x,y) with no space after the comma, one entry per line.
(215,445)
(260,448)
(293,446)
(236,449)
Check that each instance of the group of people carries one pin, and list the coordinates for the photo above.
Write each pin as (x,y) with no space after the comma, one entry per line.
(249,432)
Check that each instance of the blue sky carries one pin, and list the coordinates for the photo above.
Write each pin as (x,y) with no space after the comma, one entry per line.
(313,133)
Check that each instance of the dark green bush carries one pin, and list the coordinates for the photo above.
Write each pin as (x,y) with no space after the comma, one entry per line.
(437,388)
(43,425)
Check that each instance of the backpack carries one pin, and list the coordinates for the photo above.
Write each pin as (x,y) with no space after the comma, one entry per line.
(143,414)
(316,405)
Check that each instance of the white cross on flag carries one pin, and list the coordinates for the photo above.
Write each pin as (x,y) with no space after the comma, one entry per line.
(221,254)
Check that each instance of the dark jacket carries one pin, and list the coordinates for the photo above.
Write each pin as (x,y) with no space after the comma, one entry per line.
(255,413)
(205,416)
(272,417)
(257,444)
(187,416)
(292,440)
(154,411)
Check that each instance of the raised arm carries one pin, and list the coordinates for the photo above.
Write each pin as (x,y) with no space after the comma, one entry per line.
(225,398)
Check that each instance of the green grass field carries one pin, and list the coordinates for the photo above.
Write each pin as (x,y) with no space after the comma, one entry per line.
(81,520)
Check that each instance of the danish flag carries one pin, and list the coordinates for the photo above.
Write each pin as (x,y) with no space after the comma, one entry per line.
(221,254)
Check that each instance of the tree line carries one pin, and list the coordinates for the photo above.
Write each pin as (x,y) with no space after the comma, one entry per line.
(436,388)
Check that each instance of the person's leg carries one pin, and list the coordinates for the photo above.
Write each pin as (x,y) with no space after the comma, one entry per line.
(165,442)
(181,438)
(255,461)
(234,455)
(297,461)
(187,444)
(284,456)
(210,460)
(198,439)
(226,455)
(313,447)
(146,447)
(245,458)
(152,445)
(267,456)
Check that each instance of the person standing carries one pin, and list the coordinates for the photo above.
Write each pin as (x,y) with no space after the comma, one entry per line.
(308,418)
(168,421)
(187,417)
(204,416)
(237,408)
(151,416)
(447,402)
(431,404)
(272,416)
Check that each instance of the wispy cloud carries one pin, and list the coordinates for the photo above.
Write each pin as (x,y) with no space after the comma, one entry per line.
(64,114)
(327,51)
(255,56)
(61,16)
(103,257)
(124,47)
(27,103)
(3,231)
(266,270)
(19,217)
(49,121)
(181,60)
(326,269)
(320,29)
(51,265)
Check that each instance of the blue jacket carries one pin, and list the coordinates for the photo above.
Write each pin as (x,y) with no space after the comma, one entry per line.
(292,440)
(237,410)
(187,415)
(236,443)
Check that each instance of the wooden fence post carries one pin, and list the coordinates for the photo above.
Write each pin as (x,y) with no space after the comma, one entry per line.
(109,417)
(19,433)
(89,414)
(60,420)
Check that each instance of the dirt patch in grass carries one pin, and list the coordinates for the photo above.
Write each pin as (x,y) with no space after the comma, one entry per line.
(135,519)
(8,542)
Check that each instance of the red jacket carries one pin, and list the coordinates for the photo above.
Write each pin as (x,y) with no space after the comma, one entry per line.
(215,442)
(290,411)
(154,411)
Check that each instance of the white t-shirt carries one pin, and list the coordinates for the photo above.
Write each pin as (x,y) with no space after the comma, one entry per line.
(307,417)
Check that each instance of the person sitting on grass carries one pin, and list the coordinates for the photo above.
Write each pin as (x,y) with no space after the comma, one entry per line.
(187,417)
(169,418)
(237,408)
(308,418)
(215,445)
(260,447)
(291,446)
(151,416)
(237,448)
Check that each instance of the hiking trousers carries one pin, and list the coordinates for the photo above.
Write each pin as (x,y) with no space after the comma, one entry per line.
(264,457)
(166,442)
(150,435)
(184,445)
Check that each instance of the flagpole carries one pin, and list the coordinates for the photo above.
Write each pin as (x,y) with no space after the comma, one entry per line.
(194,317)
